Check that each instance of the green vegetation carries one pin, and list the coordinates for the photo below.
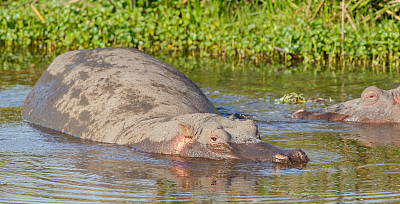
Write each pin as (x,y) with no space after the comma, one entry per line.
(293,98)
(8,114)
(259,29)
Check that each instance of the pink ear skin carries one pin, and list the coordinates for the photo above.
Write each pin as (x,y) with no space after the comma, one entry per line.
(396,97)
(184,137)
(185,130)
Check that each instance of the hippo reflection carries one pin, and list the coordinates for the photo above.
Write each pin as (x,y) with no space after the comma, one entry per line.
(124,96)
(373,135)
(374,106)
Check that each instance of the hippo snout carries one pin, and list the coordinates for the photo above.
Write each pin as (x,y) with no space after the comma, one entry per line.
(298,156)
(265,152)
(293,156)
(300,114)
(329,116)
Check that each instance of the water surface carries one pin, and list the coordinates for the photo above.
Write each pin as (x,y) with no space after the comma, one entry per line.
(349,162)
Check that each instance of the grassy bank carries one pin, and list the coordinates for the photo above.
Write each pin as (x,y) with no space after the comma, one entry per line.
(309,30)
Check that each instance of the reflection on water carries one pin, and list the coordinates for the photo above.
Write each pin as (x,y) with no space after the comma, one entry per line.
(372,135)
(52,165)
(349,162)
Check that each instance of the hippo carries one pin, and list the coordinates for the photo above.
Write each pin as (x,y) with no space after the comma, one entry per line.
(374,106)
(122,95)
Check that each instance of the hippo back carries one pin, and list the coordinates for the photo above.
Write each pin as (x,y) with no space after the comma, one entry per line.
(97,94)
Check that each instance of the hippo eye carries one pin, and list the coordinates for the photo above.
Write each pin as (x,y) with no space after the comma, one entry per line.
(370,98)
(214,138)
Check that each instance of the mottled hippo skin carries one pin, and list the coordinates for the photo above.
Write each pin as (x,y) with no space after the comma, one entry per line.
(374,106)
(124,96)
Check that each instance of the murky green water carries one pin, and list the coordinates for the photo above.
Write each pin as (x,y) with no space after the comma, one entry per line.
(349,162)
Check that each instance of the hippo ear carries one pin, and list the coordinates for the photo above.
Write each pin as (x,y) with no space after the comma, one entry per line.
(185,130)
(396,98)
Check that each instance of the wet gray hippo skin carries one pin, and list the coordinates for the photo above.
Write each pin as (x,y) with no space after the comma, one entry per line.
(374,106)
(124,96)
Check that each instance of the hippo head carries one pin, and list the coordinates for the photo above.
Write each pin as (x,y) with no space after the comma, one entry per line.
(374,106)
(212,136)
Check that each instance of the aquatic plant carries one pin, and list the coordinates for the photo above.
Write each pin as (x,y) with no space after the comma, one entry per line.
(308,31)
(292,98)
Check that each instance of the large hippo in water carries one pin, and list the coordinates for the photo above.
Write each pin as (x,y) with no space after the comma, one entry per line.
(125,96)
(374,106)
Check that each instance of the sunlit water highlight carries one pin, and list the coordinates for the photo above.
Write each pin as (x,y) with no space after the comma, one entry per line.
(349,162)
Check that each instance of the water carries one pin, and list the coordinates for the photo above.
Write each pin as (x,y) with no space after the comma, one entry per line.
(349,162)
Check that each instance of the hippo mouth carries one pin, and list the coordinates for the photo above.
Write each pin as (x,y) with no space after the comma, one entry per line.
(329,116)
(265,152)
(220,147)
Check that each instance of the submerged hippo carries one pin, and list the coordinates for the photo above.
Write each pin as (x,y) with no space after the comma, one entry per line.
(374,106)
(125,96)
